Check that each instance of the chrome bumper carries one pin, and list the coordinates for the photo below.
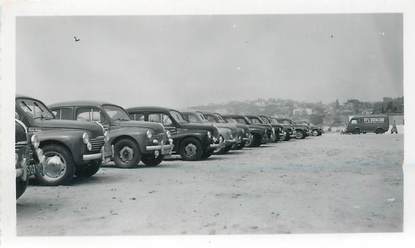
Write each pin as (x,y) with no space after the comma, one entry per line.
(220,145)
(230,142)
(87,157)
(164,149)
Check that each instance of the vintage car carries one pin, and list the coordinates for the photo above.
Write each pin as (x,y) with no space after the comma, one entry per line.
(287,127)
(255,119)
(192,141)
(279,129)
(247,136)
(258,132)
(227,133)
(240,132)
(378,124)
(70,147)
(301,131)
(29,158)
(315,130)
(129,141)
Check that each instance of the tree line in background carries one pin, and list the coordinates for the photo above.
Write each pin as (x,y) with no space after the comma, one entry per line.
(332,114)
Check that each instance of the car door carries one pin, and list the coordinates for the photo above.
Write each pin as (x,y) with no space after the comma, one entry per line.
(163,119)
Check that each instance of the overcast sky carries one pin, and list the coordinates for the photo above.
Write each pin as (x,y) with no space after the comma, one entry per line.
(181,61)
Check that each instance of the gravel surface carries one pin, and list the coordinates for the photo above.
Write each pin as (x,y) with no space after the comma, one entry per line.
(332,183)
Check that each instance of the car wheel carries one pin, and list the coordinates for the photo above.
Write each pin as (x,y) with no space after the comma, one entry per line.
(256,140)
(126,153)
(151,160)
(20,187)
(315,133)
(90,169)
(287,137)
(59,166)
(379,131)
(191,149)
(356,131)
(299,134)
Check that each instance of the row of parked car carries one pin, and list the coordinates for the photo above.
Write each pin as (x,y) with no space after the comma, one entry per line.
(58,142)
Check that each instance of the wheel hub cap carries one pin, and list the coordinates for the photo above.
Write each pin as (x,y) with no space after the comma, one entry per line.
(190,150)
(126,153)
(55,167)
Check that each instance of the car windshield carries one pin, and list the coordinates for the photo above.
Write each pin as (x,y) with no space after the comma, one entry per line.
(242,120)
(35,109)
(220,119)
(116,113)
(195,117)
(255,120)
(177,116)
(230,120)
(284,121)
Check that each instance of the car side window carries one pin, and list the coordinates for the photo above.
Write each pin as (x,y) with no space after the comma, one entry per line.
(83,114)
(192,118)
(65,114)
(56,113)
(97,115)
(353,122)
(166,121)
(137,117)
(154,118)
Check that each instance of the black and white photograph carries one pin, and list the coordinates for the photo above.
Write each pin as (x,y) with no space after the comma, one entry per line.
(209,124)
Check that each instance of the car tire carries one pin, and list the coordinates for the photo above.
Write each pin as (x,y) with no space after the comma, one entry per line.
(315,133)
(191,149)
(150,160)
(356,131)
(126,154)
(379,131)
(20,187)
(256,140)
(89,170)
(287,137)
(59,166)
(299,134)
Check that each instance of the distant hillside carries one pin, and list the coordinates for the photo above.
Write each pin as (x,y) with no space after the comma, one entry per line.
(330,114)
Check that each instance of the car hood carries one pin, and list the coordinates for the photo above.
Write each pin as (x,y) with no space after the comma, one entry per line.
(156,127)
(93,128)
(200,126)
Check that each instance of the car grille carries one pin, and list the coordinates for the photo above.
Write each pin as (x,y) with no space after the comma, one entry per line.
(97,143)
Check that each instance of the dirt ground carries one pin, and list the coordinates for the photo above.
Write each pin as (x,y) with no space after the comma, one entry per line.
(333,183)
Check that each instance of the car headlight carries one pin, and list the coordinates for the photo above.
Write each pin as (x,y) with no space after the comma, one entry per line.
(35,141)
(168,134)
(149,134)
(85,138)
(221,139)
(209,134)
(106,136)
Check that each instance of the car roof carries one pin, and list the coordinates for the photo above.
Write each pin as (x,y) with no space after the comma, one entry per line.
(361,116)
(80,103)
(149,108)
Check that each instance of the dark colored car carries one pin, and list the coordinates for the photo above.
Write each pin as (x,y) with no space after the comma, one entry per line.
(225,133)
(258,132)
(278,128)
(255,119)
(70,147)
(315,130)
(301,131)
(192,141)
(288,127)
(239,131)
(29,157)
(129,141)
(368,124)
